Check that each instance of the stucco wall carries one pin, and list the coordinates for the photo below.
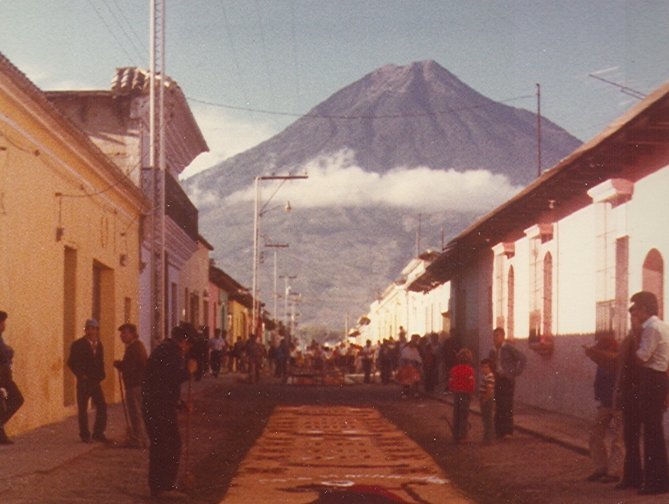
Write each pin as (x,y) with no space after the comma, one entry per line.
(99,222)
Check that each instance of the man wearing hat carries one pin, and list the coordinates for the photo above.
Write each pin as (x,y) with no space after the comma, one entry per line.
(653,356)
(87,363)
(131,369)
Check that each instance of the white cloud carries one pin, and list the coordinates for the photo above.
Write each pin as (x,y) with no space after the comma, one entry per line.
(336,181)
(225,135)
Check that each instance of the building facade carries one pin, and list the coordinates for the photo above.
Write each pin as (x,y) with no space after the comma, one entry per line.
(70,230)
(556,265)
(117,120)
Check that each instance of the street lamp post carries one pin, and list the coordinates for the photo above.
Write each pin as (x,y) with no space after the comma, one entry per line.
(275,246)
(286,292)
(256,234)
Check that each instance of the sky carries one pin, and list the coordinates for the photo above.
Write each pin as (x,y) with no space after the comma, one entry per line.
(251,67)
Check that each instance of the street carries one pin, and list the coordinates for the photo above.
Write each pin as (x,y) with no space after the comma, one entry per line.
(299,444)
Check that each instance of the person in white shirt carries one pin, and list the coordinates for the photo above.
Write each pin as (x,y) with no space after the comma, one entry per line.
(653,356)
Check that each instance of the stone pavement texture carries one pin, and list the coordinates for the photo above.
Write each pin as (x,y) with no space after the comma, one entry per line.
(44,449)
(350,454)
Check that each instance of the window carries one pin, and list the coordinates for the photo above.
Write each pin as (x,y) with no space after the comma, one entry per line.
(510,306)
(547,325)
(536,292)
(500,302)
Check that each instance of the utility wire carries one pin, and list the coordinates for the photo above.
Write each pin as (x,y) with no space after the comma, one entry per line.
(353,116)
(235,59)
(109,29)
(264,48)
(138,43)
(296,66)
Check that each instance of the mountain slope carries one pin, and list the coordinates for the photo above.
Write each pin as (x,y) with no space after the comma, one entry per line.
(403,116)
(347,249)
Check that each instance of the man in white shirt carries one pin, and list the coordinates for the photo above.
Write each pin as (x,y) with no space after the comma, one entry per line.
(653,356)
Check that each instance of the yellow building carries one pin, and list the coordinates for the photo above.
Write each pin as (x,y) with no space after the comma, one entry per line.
(117,120)
(69,247)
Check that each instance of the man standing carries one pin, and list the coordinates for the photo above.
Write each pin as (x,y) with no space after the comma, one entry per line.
(12,395)
(509,363)
(161,388)
(367,358)
(132,371)
(87,363)
(216,349)
(653,356)
(607,461)
(255,353)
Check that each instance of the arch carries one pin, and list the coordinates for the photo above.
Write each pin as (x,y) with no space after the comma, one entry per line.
(652,277)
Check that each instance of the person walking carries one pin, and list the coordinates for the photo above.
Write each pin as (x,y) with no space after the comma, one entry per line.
(161,391)
(607,461)
(653,357)
(216,349)
(255,352)
(509,363)
(86,361)
(367,359)
(132,372)
(410,372)
(11,394)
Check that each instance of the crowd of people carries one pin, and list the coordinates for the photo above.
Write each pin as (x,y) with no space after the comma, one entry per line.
(631,386)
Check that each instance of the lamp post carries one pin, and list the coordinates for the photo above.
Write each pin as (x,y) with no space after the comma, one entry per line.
(256,234)
(286,294)
(275,246)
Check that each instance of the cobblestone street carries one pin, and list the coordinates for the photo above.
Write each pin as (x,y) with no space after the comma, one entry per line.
(247,438)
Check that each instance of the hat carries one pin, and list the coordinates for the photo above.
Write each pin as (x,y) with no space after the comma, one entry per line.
(128,327)
(91,323)
(646,300)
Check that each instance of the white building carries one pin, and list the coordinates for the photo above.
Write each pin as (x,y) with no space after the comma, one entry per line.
(556,265)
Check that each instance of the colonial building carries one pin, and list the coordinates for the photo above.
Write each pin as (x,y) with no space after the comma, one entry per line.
(70,231)
(556,265)
(399,305)
(231,305)
(117,120)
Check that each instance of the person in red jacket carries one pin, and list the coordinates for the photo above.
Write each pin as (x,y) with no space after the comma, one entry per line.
(461,382)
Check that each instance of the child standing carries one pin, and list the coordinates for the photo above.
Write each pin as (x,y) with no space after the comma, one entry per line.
(487,400)
(461,383)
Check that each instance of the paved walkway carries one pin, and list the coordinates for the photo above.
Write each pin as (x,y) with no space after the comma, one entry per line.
(565,430)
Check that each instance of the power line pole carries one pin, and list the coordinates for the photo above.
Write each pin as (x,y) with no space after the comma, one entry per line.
(286,293)
(538,130)
(157,169)
(275,246)
(255,322)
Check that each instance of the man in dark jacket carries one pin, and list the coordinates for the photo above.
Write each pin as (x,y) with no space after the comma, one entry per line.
(87,363)
(161,389)
(509,363)
(12,395)
(132,371)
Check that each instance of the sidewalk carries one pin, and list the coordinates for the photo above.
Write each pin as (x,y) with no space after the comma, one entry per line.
(565,430)
(47,448)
